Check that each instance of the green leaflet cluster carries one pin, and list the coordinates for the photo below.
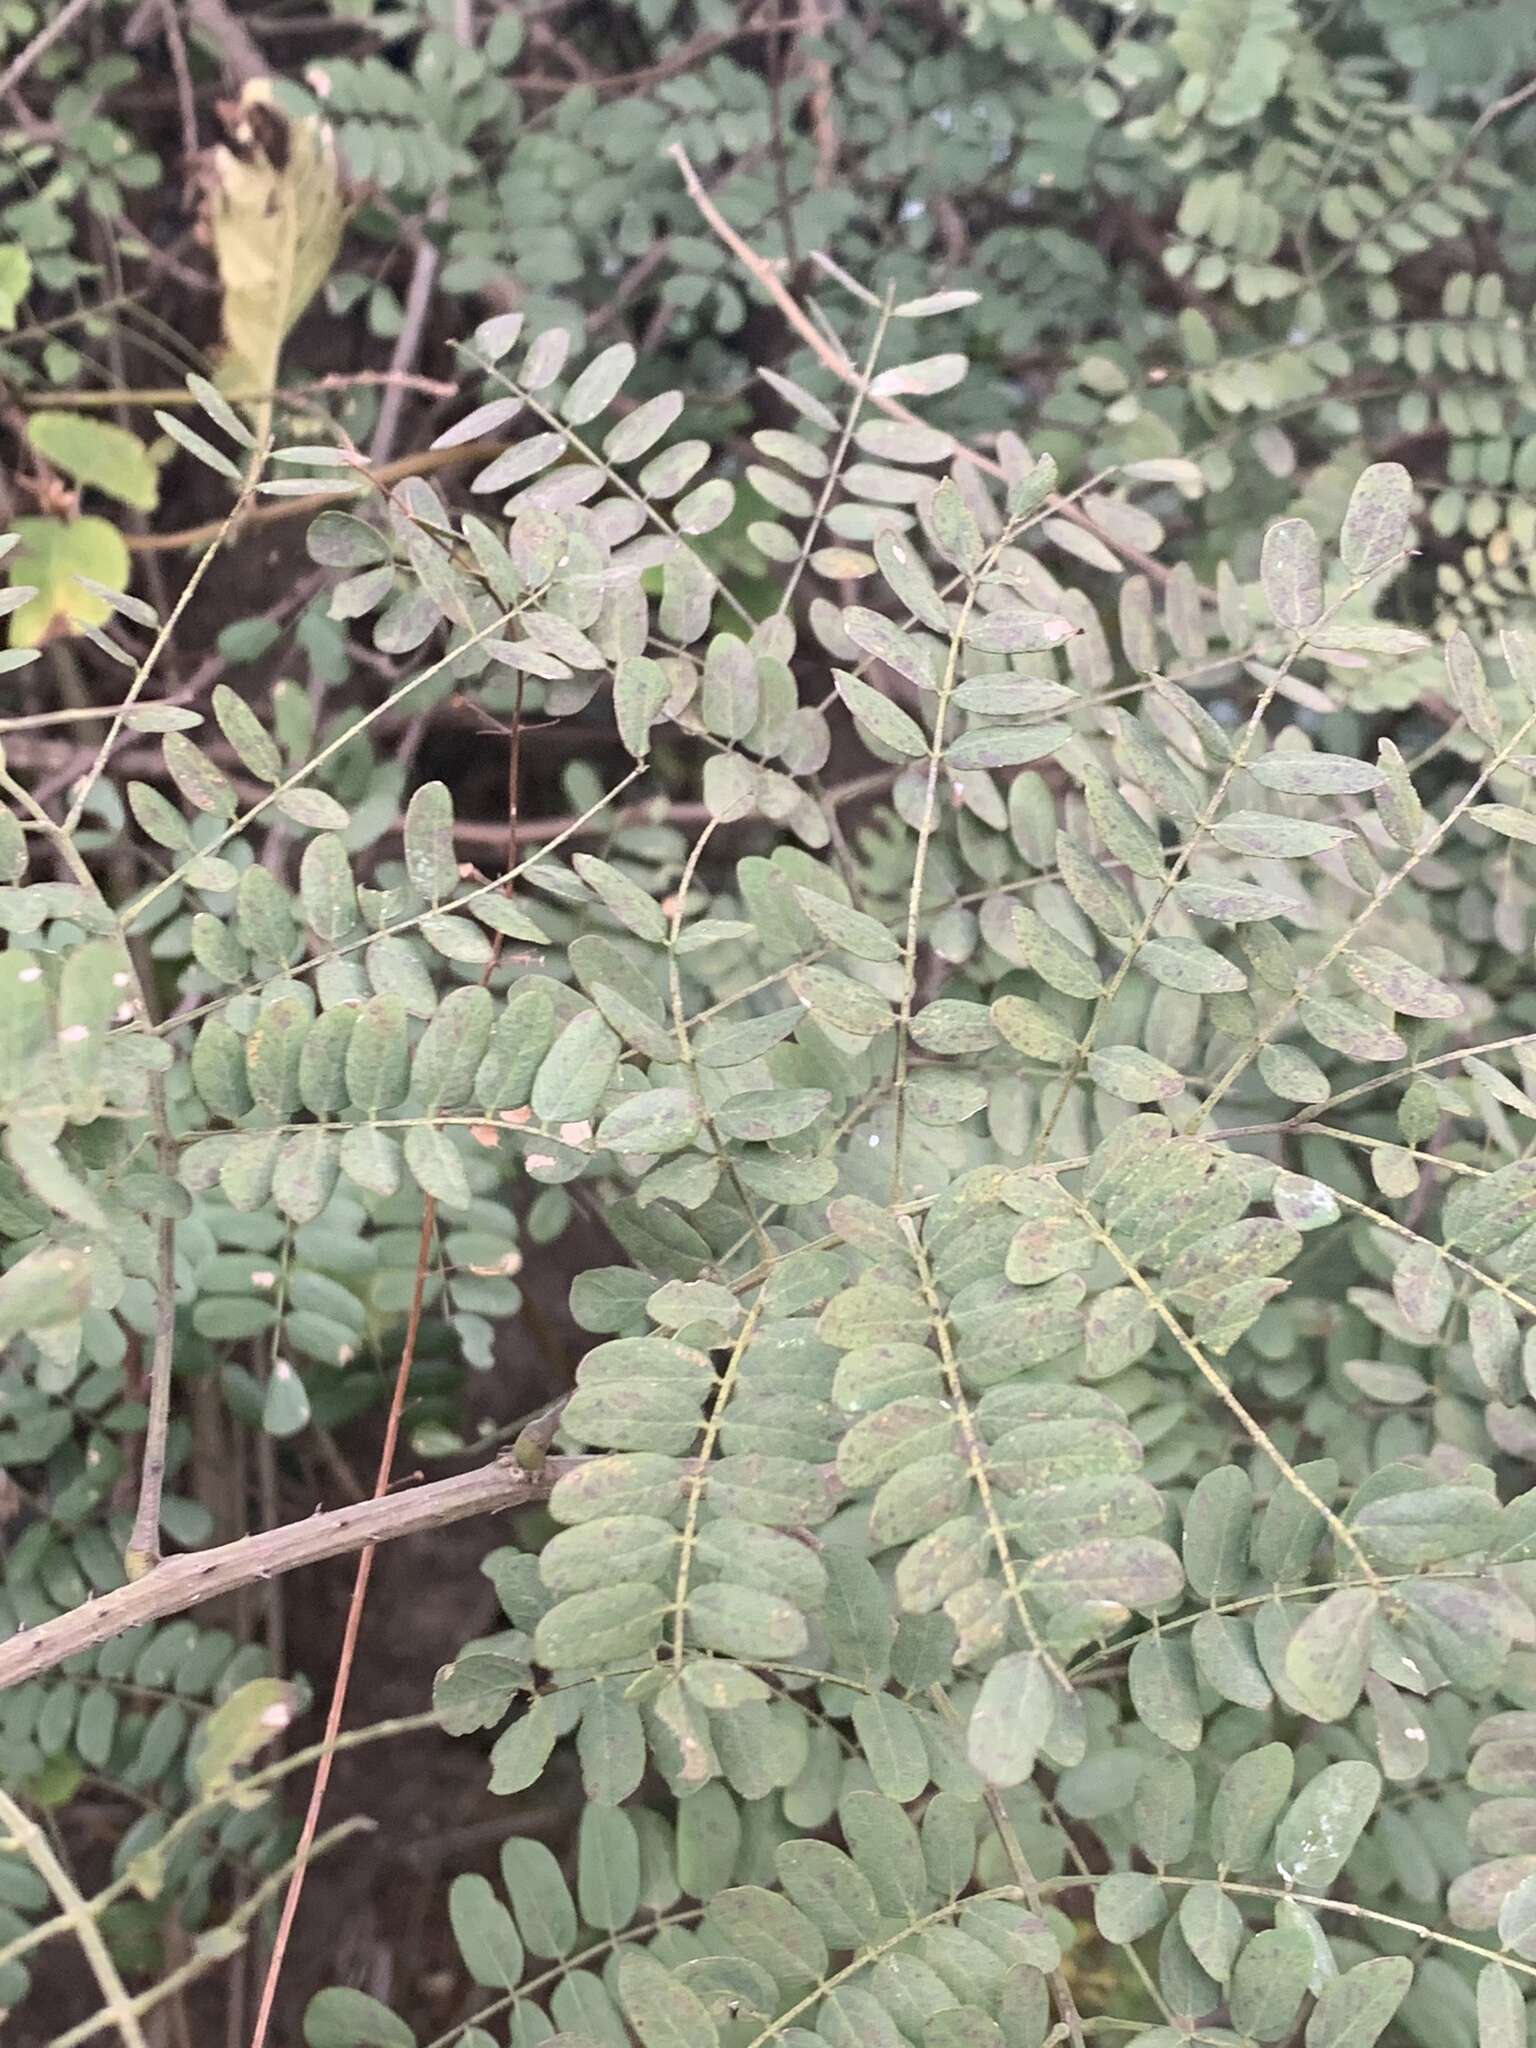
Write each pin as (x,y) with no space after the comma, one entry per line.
(1068,1360)
(137,1718)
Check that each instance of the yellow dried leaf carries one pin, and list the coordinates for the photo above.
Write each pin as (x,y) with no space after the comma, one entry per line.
(53,554)
(277,211)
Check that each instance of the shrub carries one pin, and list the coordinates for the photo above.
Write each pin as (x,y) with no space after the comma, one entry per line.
(1036,1544)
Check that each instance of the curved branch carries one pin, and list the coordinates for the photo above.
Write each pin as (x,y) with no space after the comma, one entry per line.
(183,1582)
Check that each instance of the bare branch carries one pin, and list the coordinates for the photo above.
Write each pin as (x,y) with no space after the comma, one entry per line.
(185,1582)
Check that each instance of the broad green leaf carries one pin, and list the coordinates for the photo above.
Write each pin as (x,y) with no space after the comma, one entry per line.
(1011,1719)
(97,455)
(429,856)
(575,1072)
(1270,1980)
(1327,1657)
(1249,1800)
(663,2011)
(1355,2010)
(1127,1905)
(1314,1840)
(485,1932)
(343,2018)
(1315,774)
(879,717)
(1291,571)
(1376,520)
(52,557)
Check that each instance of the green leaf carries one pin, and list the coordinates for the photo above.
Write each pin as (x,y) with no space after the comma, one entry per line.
(305,1173)
(1213,1928)
(433,1161)
(485,1932)
(892,1744)
(1505,819)
(1376,519)
(342,2018)
(640,690)
(636,911)
(1470,692)
(429,856)
(575,1072)
(98,456)
(1254,832)
(663,2011)
(831,1890)
(598,385)
(519,1755)
(1127,1905)
(1501,2017)
(475,1691)
(1315,774)
(15,282)
(741,1621)
(252,1716)
(47,1287)
(197,445)
(1291,571)
(1249,1800)
(882,720)
(1270,1980)
(1011,1719)
(1355,2010)
(1314,1840)
(541,1900)
(52,558)
(1327,1658)
(246,734)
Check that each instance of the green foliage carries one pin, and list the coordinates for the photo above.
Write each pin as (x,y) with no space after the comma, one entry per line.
(960,1413)
(1025,967)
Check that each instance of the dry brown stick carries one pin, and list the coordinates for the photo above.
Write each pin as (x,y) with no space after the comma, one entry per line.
(43,41)
(234,42)
(418,299)
(349,1638)
(185,1582)
(422,464)
(843,367)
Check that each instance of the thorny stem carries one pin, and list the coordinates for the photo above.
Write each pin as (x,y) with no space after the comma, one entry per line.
(27,1836)
(184,1582)
(143,1551)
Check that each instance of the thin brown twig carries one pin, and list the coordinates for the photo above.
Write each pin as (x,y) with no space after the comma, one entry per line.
(424,463)
(40,44)
(344,1662)
(143,1551)
(166,395)
(418,301)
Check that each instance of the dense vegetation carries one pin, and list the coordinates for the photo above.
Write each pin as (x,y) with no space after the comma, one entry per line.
(766,798)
